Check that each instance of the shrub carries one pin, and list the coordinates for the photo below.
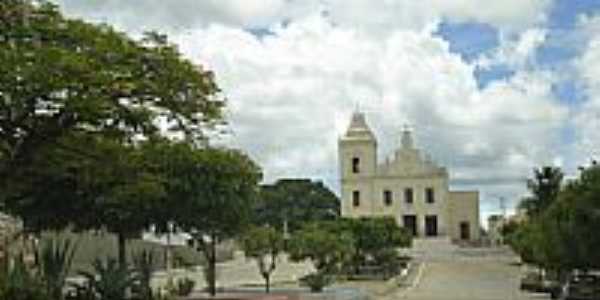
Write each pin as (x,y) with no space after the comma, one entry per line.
(317,281)
(184,286)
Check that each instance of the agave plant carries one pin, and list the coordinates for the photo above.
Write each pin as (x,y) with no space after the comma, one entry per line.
(55,260)
(109,281)
(19,282)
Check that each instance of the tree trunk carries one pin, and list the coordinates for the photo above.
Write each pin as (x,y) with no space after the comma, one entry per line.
(267,282)
(122,252)
(357,262)
(212,266)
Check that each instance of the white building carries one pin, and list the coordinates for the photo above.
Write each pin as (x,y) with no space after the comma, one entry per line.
(409,187)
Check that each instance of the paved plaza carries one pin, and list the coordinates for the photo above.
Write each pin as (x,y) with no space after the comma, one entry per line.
(441,271)
(241,272)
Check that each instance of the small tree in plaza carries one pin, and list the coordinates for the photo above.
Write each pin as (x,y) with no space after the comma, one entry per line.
(264,245)
(326,249)
(374,235)
(216,200)
(375,240)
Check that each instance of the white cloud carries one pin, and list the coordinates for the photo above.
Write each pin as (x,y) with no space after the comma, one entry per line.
(516,52)
(291,95)
(291,92)
(175,16)
(587,118)
(375,17)
(509,15)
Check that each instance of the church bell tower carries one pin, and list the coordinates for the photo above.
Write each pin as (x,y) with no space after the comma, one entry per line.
(358,162)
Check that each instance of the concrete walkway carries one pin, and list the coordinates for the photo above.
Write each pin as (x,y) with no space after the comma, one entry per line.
(239,272)
(448,272)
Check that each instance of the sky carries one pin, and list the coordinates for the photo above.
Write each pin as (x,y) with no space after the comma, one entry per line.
(492,89)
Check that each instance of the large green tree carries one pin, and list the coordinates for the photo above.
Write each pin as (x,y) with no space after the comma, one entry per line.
(112,191)
(61,78)
(58,75)
(563,236)
(296,202)
(576,219)
(76,99)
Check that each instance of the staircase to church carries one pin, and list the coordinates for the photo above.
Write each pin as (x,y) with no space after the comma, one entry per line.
(434,247)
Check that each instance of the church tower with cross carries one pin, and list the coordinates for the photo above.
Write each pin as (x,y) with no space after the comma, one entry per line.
(409,186)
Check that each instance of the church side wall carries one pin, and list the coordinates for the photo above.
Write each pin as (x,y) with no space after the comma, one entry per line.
(419,207)
(464,207)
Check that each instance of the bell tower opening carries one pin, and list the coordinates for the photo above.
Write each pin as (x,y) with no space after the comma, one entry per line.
(355,165)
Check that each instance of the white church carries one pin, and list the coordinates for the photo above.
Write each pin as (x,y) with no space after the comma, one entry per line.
(409,187)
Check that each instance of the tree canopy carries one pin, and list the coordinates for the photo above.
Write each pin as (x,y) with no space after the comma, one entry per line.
(297,202)
(544,187)
(75,100)
(63,77)
(563,235)
(327,249)
(102,131)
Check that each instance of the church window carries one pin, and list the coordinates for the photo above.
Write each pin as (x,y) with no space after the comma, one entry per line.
(387,197)
(355,165)
(408,195)
(429,195)
(356,198)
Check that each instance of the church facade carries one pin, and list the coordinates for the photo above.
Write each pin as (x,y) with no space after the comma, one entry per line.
(409,187)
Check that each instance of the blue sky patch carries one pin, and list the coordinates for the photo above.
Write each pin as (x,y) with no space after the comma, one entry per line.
(469,39)
(564,13)
(569,92)
(563,42)
(485,76)
(560,47)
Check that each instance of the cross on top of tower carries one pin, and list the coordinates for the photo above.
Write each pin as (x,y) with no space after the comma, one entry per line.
(406,140)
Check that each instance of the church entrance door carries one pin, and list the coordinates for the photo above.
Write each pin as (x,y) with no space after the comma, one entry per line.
(431,225)
(410,223)
(465,231)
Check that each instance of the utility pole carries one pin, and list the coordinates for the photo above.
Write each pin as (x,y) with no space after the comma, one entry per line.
(502,206)
(502,203)
(169,254)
